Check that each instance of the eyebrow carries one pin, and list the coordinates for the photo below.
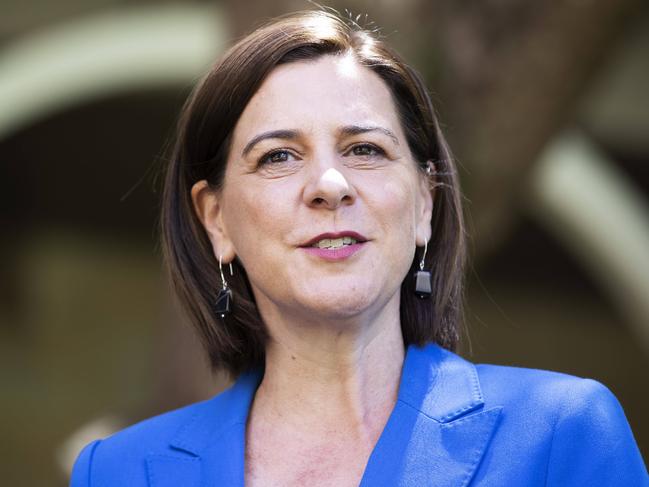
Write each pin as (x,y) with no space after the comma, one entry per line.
(273,134)
(294,134)
(361,129)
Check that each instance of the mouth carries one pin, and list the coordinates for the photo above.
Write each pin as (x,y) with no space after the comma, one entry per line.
(334,247)
(333,241)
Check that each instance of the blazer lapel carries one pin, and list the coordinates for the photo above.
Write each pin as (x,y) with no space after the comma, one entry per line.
(209,449)
(436,435)
(438,431)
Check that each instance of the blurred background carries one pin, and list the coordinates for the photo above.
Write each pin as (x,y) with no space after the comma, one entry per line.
(546,107)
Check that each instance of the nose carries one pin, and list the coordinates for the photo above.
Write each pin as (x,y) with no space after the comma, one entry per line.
(329,189)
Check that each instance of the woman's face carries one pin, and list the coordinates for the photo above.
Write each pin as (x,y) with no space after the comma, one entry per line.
(322,201)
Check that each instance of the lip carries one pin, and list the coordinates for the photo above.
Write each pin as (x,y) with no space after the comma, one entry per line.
(331,235)
(338,254)
(334,255)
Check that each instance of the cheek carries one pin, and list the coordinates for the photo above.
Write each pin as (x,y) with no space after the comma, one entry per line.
(397,202)
(254,217)
(396,206)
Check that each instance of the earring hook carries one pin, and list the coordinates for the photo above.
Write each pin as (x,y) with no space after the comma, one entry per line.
(423,257)
(225,284)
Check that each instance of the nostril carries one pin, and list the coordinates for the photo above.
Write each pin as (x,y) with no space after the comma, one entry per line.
(318,201)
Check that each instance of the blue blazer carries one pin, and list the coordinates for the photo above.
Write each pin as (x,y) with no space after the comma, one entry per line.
(454,424)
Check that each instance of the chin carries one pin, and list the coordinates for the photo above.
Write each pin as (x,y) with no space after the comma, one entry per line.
(342,303)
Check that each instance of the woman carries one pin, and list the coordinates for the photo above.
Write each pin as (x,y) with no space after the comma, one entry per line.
(313,231)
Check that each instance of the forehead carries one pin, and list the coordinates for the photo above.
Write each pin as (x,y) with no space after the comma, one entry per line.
(327,92)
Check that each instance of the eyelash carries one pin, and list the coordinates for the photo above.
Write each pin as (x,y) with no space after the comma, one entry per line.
(266,158)
(378,151)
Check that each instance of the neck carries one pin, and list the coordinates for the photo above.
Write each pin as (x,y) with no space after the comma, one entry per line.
(343,375)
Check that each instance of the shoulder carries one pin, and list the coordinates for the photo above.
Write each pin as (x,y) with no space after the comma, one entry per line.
(541,388)
(155,430)
(552,397)
(505,386)
(124,452)
(577,423)
(120,459)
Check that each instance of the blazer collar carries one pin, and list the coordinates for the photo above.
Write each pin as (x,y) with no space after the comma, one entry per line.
(209,448)
(439,430)
(439,383)
(218,415)
(431,435)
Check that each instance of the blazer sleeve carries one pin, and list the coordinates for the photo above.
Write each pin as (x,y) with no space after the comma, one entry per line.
(83,465)
(592,442)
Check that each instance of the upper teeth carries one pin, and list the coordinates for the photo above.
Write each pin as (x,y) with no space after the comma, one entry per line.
(334,243)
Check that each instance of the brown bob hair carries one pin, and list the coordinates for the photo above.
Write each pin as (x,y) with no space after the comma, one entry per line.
(200,149)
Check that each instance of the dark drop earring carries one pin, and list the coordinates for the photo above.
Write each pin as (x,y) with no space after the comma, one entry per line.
(423,279)
(224,299)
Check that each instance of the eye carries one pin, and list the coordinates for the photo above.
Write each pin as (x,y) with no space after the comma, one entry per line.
(367,150)
(275,156)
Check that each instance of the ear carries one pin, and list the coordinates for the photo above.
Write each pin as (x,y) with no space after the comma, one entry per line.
(425,195)
(208,208)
